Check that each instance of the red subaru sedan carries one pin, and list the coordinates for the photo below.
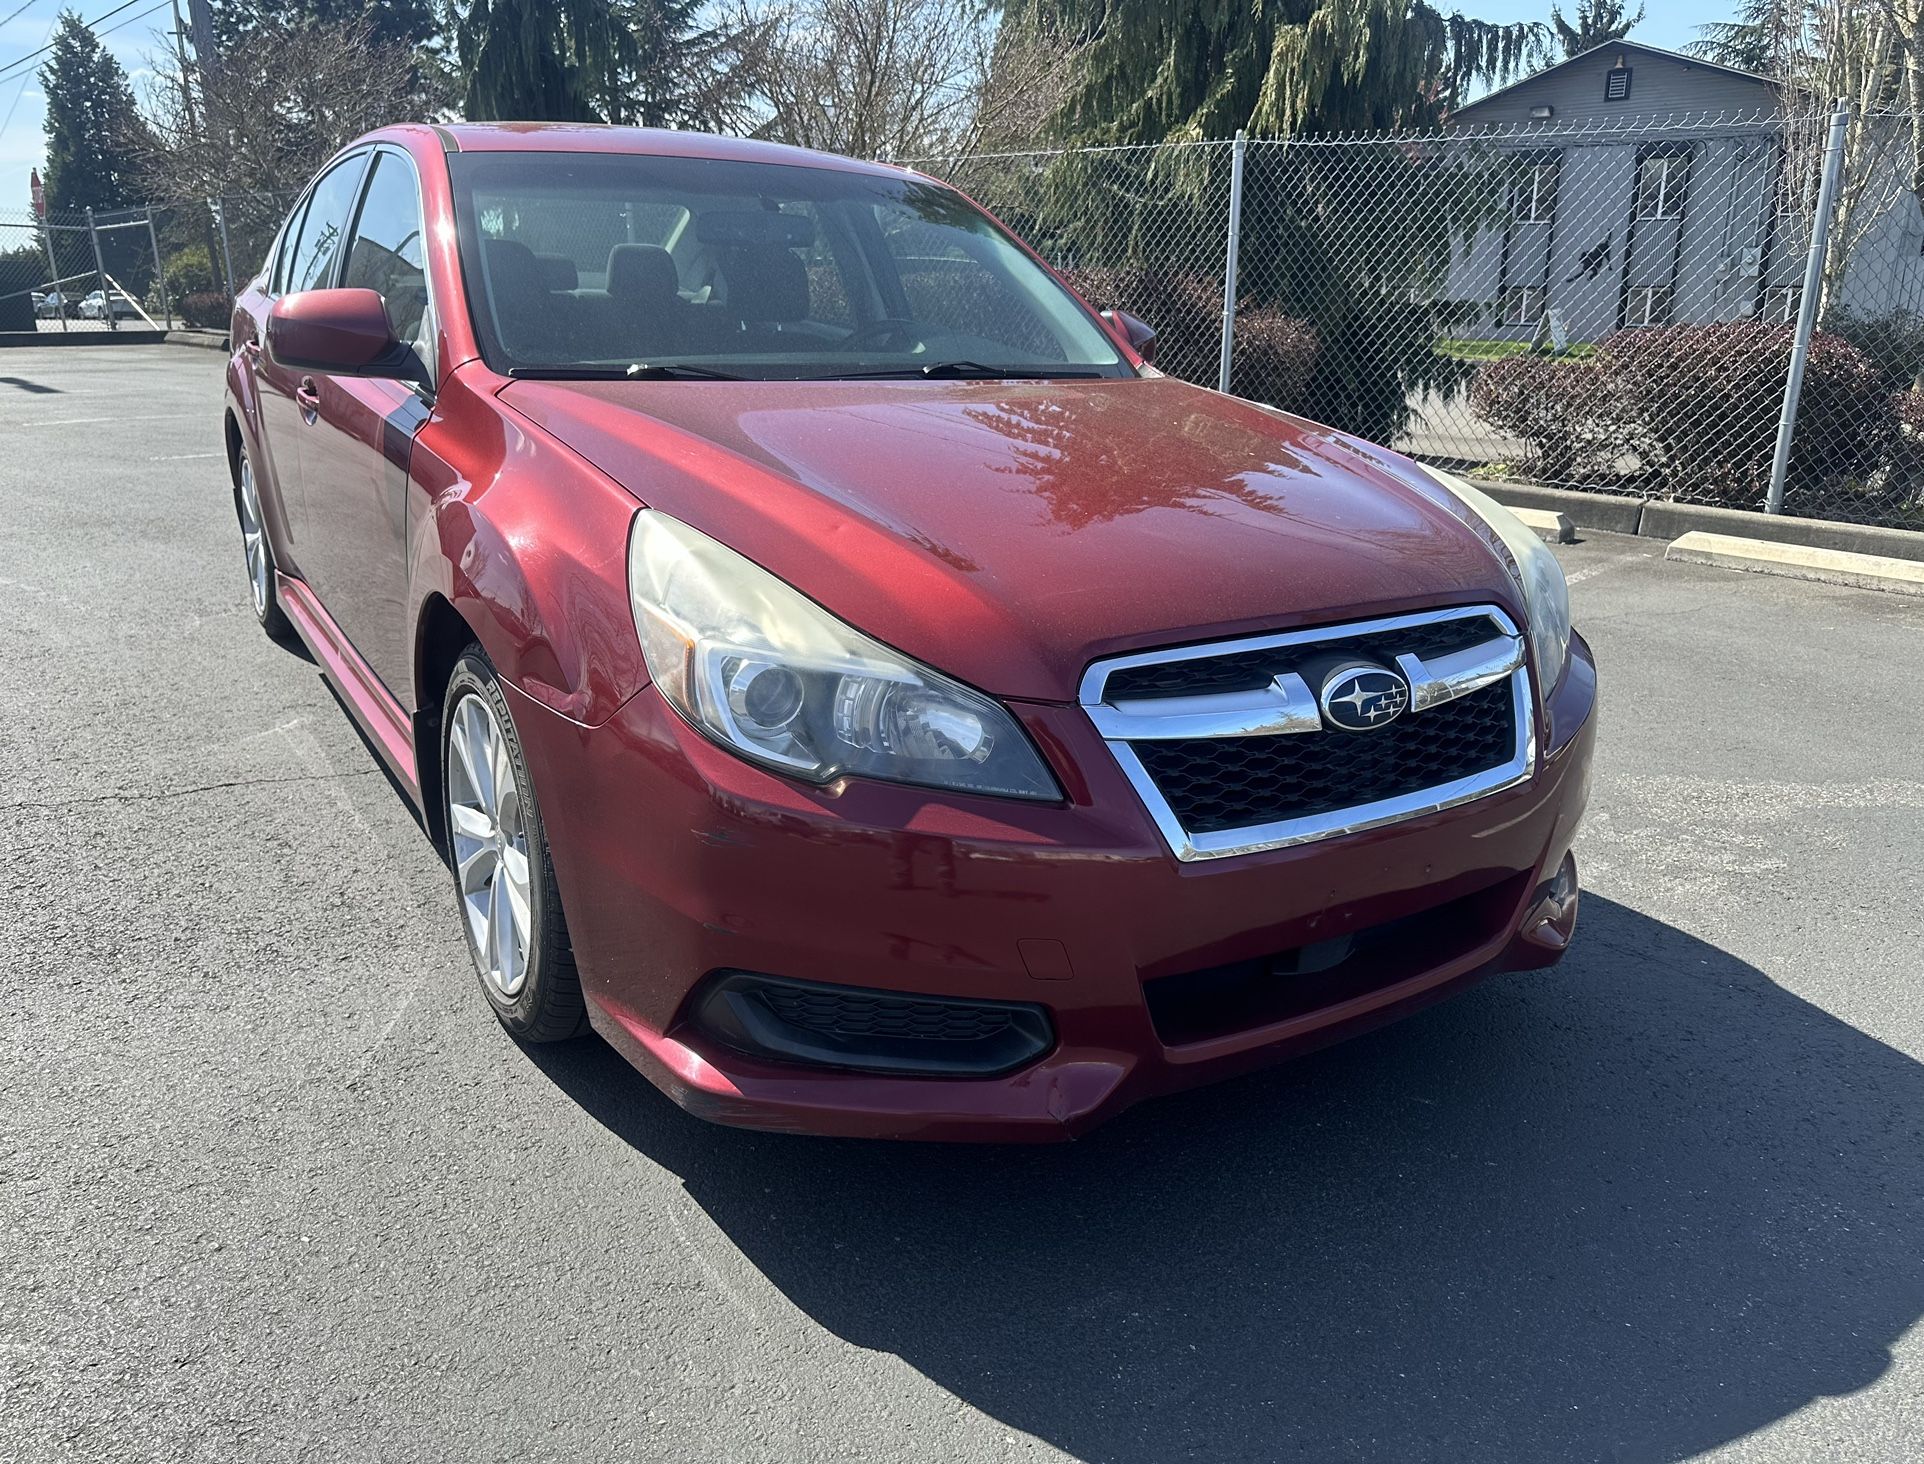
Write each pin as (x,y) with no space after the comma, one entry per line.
(840,670)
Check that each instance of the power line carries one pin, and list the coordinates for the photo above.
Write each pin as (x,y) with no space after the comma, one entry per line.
(20,12)
(7,70)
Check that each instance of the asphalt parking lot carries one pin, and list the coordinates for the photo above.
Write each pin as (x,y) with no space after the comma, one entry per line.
(275,1186)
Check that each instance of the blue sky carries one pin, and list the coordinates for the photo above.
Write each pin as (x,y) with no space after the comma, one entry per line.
(1669,23)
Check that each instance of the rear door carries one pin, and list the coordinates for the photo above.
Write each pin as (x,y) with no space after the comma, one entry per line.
(355,451)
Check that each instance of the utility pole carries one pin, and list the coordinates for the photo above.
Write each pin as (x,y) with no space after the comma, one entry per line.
(200,17)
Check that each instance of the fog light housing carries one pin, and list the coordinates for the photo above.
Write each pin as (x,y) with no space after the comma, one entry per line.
(868,1030)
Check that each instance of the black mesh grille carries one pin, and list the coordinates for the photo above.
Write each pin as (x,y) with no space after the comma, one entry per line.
(1221,783)
(1251,670)
(847,1014)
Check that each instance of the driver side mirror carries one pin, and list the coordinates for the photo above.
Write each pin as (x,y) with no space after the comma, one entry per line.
(1140,334)
(342,332)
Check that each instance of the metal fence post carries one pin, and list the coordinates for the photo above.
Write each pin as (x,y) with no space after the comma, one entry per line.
(100,268)
(1229,261)
(53,265)
(1807,306)
(160,270)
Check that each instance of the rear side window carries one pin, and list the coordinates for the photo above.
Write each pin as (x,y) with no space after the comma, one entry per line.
(319,243)
(386,255)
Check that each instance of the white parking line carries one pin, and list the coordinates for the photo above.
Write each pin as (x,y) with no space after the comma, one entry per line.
(88,421)
(181,457)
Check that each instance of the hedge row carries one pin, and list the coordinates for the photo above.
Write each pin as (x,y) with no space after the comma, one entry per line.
(1274,353)
(1694,409)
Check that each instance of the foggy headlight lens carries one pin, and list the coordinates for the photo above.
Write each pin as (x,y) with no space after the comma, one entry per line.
(1546,594)
(766,671)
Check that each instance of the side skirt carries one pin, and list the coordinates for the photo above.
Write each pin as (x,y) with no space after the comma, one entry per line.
(379,716)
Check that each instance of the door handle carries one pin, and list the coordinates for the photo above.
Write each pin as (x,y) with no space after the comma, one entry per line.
(251,349)
(309,396)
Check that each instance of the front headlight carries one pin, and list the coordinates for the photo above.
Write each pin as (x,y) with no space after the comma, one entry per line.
(767,672)
(1546,594)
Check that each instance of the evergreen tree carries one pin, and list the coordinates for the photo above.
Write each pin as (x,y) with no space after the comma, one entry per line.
(94,131)
(1155,69)
(1597,23)
(653,62)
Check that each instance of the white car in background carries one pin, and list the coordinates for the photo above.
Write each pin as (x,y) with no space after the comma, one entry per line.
(95,306)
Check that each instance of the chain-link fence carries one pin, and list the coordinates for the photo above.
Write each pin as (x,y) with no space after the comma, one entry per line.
(160,265)
(1611,309)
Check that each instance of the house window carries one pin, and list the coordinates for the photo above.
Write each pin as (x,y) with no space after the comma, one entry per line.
(1524,304)
(1616,84)
(1780,304)
(1647,305)
(1662,179)
(1533,193)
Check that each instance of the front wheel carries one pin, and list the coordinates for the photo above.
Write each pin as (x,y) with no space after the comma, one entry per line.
(503,879)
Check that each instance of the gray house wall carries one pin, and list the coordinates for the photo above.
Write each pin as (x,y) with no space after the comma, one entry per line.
(1663,87)
(1727,258)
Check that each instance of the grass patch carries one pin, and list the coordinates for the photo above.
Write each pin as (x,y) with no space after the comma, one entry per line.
(1462,350)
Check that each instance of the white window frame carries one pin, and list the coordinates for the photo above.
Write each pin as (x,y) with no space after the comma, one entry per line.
(1780,304)
(1539,199)
(1524,295)
(1636,318)
(1672,187)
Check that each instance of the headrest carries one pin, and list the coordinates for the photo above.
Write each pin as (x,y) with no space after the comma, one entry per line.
(642,272)
(558,272)
(744,229)
(767,283)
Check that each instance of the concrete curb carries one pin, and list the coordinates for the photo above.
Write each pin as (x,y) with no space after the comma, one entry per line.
(205,340)
(1552,528)
(1800,561)
(125,337)
(1655,519)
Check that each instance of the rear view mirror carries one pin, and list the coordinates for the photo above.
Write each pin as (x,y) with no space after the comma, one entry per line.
(338,332)
(1140,335)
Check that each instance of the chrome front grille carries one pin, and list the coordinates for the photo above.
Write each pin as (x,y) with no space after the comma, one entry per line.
(1228,746)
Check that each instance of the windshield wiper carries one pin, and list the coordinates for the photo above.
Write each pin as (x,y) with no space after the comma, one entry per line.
(640,371)
(968,371)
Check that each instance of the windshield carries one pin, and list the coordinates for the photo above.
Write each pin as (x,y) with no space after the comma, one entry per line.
(629,264)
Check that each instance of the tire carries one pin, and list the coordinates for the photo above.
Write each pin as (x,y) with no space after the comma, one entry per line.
(258,555)
(493,820)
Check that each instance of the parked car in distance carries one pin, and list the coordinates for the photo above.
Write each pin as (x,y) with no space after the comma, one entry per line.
(50,305)
(95,305)
(839,669)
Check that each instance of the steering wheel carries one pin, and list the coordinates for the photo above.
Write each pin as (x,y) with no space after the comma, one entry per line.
(880,333)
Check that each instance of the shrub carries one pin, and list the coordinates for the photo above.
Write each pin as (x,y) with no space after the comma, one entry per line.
(190,272)
(1571,413)
(207,310)
(1697,406)
(1274,353)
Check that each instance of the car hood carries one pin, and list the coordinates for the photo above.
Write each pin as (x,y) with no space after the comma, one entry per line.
(1008,533)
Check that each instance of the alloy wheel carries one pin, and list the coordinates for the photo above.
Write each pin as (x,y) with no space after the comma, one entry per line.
(490,838)
(254,538)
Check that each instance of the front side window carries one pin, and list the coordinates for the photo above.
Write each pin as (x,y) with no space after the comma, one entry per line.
(324,224)
(385,254)
(601,264)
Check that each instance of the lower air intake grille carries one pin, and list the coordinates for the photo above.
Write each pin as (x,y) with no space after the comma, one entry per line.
(848,1014)
(1220,783)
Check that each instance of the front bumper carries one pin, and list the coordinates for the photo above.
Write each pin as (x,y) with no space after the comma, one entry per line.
(676,860)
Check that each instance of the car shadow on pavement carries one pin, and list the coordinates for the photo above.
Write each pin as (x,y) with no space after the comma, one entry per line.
(1626,1210)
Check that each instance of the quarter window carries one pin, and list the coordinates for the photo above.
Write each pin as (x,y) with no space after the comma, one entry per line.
(325,223)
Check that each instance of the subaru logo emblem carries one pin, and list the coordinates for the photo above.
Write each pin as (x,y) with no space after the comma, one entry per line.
(1360,697)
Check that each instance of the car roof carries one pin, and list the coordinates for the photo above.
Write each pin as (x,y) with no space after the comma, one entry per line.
(593,137)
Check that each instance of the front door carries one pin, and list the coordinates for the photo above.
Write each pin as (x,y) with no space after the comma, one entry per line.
(355,453)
